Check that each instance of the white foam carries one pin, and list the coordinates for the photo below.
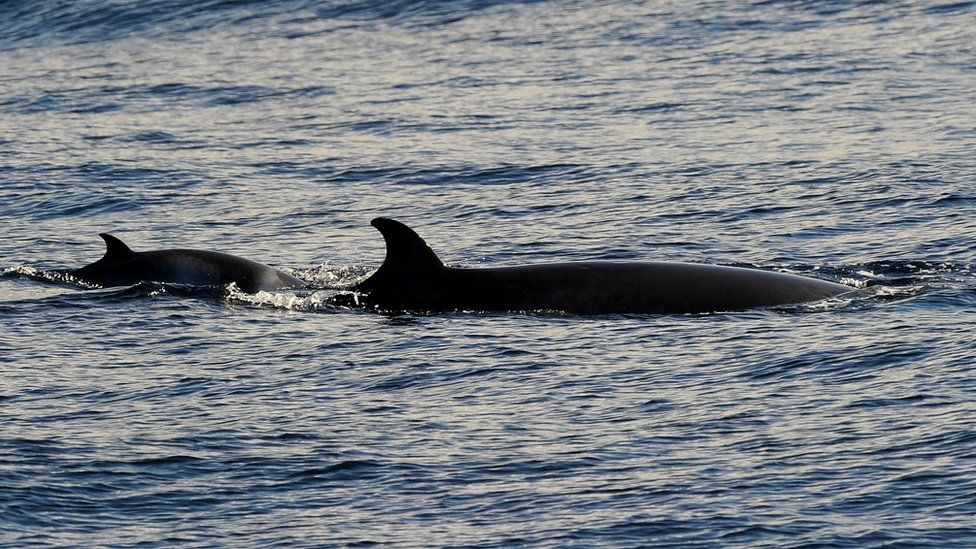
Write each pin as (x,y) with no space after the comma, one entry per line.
(280,300)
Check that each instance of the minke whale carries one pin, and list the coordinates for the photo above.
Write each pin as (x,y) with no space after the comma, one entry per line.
(413,279)
(123,267)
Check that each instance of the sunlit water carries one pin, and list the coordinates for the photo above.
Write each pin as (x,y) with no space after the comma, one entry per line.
(832,139)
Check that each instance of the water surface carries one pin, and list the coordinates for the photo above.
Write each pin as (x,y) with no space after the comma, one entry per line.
(832,139)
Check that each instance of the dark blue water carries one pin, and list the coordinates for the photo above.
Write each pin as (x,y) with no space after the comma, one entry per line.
(833,139)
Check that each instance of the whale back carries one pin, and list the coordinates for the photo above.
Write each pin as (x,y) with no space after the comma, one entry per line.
(120,266)
(413,278)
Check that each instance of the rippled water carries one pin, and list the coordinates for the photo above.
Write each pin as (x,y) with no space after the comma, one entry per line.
(833,139)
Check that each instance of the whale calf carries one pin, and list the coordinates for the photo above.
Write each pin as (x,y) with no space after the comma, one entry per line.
(123,267)
(413,279)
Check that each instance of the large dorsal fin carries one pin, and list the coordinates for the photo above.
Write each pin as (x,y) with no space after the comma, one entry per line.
(115,249)
(405,250)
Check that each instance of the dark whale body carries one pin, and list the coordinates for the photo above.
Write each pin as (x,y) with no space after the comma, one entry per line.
(123,267)
(413,278)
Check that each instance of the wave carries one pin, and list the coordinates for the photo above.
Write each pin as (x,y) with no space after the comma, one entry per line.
(59,277)
(324,283)
(104,20)
(84,21)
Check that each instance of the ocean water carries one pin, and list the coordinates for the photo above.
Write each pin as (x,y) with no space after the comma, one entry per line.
(835,139)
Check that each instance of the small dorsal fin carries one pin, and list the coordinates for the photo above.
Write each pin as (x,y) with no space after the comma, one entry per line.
(405,250)
(115,249)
